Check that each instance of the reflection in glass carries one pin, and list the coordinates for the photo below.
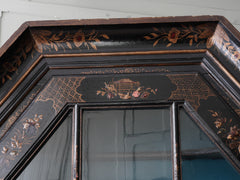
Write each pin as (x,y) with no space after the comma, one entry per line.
(53,162)
(201,159)
(126,144)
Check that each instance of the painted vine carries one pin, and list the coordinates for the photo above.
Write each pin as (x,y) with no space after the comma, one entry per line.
(21,137)
(48,41)
(193,35)
(16,57)
(227,130)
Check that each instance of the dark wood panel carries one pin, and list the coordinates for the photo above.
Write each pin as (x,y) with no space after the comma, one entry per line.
(49,65)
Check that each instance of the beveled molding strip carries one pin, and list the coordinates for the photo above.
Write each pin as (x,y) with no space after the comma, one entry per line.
(92,55)
(223,69)
(159,52)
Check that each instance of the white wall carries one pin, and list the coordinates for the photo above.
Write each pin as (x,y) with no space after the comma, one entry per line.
(15,12)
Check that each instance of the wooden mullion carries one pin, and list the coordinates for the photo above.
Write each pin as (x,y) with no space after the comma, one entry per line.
(176,163)
(76,144)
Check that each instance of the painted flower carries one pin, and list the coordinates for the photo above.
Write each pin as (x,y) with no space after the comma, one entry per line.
(4,150)
(235,56)
(234,133)
(235,145)
(110,95)
(145,94)
(79,38)
(124,96)
(173,35)
(13,153)
(136,93)
(31,125)
(219,122)
(15,143)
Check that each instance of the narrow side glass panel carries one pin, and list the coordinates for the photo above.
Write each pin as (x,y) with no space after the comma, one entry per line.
(53,162)
(126,144)
(201,159)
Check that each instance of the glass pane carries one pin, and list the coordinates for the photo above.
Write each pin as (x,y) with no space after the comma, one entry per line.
(53,162)
(127,144)
(201,159)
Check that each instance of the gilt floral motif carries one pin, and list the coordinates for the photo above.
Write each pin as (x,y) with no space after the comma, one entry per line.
(220,122)
(11,120)
(49,41)
(223,43)
(193,35)
(20,138)
(16,57)
(126,89)
(227,130)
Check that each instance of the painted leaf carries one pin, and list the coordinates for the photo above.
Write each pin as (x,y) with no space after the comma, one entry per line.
(97,40)
(195,38)
(99,92)
(154,35)
(153,91)
(93,46)
(105,36)
(155,43)
(78,43)
(69,45)
(190,42)
(147,37)
(8,77)
(55,47)
(190,36)
(169,44)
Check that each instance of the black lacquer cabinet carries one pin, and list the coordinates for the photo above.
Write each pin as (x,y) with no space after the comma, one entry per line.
(121,99)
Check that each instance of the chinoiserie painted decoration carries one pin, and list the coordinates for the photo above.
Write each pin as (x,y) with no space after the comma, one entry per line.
(48,68)
(125,89)
(200,34)
(21,137)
